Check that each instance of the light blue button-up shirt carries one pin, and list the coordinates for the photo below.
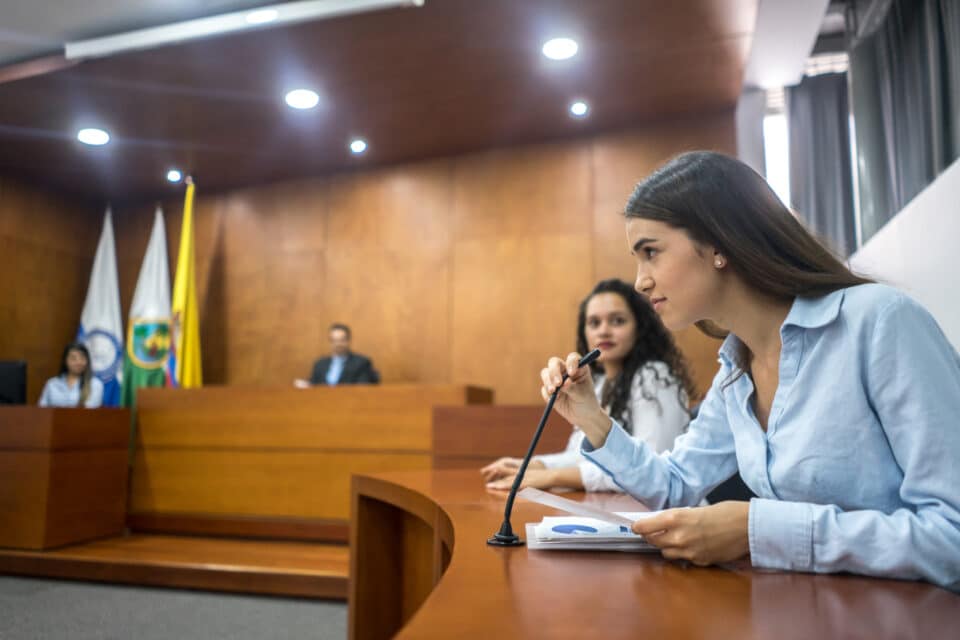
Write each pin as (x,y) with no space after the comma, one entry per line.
(57,393)
(859,468)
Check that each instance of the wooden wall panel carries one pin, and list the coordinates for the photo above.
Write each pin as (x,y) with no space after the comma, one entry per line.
(312,484)
(47,244)
(462,270)
(388,269)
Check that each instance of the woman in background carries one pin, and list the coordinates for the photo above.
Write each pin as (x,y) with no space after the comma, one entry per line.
(76,386)
(640,377)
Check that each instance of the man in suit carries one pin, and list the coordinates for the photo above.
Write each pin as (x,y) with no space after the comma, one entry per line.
(343,366)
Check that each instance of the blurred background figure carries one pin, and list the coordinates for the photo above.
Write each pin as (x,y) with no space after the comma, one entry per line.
(342,366)
(75,386)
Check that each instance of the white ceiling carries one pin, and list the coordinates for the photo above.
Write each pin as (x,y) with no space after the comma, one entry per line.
(32,28)
(782,41)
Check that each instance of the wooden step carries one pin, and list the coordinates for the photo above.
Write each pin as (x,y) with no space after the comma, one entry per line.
(283,568)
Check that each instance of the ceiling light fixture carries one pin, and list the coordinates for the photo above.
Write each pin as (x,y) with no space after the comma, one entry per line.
(358,146)
(302,98)
(262,16)
(579,109)
(287,13)
(93,137)
(174,175)
(560,48)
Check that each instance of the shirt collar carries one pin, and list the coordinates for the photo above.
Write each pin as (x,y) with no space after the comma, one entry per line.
(807,313)
(810,313)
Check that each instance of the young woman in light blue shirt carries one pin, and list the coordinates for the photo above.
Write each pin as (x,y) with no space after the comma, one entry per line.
(76,386)
(837,398)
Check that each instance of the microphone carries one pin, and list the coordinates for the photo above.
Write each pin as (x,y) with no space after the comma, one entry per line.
(505,537)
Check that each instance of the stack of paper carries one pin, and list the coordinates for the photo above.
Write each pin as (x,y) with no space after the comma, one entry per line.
(574,532)
(589,528)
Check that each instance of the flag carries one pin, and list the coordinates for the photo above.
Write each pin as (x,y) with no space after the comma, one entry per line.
(183,365)
(101,329)
(148,327)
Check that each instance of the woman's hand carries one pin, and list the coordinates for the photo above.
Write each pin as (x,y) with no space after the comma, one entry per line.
(536,478)
(577,401)
(506,467)
(702,535)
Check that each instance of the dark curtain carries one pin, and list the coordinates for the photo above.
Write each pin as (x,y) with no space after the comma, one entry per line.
(821,184)
(905,84)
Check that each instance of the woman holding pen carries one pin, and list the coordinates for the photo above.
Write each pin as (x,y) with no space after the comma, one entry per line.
(640,377)
(838,398)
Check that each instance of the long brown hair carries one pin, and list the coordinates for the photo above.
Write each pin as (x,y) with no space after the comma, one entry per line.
(87,374)
(653,342)
(722,202)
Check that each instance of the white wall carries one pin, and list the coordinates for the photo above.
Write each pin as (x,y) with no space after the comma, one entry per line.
(918,251)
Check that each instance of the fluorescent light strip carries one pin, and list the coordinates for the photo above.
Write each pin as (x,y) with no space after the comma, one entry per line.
(287,13)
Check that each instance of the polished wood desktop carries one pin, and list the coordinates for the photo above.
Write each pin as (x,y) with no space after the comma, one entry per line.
(420,568)
(63,475)
(274,462)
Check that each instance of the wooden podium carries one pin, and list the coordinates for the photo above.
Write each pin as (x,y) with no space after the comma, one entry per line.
(63,475)
(274,462)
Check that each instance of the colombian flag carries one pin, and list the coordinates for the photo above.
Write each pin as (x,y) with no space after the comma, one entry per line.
(183,365)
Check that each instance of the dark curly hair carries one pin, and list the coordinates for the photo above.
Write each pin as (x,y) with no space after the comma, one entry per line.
(653,343)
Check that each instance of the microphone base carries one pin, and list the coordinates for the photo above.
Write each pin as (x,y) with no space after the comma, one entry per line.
(500,540)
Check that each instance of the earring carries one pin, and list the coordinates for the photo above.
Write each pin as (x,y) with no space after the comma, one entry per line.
(718,263)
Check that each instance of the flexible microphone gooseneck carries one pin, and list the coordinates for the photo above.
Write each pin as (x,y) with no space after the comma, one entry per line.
(505,537)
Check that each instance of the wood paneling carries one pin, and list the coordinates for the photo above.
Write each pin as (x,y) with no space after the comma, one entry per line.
(472,436)
(246,454)
(311,484)
(63,475)
(466,270)
(47,245)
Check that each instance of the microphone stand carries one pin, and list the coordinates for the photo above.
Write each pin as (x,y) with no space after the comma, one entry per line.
(505,537)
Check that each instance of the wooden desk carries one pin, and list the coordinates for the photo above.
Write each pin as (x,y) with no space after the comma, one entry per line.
(471,436)
(420,568)
(274,462)
(63,475)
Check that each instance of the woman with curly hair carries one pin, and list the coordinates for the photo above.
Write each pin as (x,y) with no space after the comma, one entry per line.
(640,378)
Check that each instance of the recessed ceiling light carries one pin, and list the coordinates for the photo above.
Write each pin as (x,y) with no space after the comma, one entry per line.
(94,137)
(174,175)
(579,108)
(302,99)
(560,48)
(262,16)
(358,146)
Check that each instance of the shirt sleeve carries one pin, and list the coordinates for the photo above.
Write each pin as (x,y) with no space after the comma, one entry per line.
(913,381)
(569,457)
(95,399)
(700,460)
(45,395)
